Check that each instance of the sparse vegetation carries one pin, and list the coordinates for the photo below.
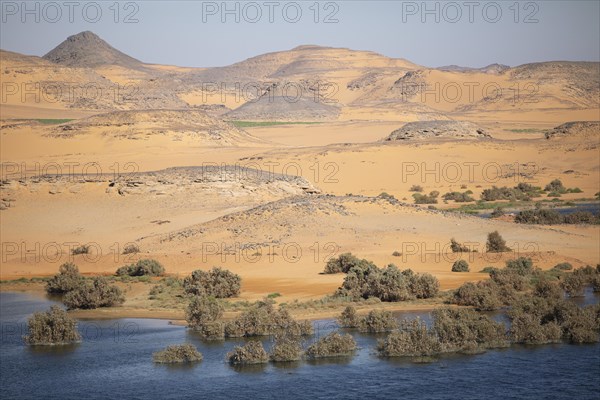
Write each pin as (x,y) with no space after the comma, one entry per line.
(522,192)
(460,266)
(459,197)
(94,294)
(458,247)
(553,217)
(217,282)
(131,249)
(183,353)
(83,249)
(431,198)
(332,345)
(416,188)
(252,352)
(52,327)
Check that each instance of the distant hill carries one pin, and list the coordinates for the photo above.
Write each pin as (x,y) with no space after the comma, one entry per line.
(87,49)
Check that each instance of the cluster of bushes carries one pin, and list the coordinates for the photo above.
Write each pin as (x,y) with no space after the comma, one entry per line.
(523,191)
(82,293)
(377,321)
(459,197)
(94,294)
(551,319)
(217,282)
(52,327)
(388,284)
(183,353)
(556,188)
(286,348)
(552,217)
(431,198)
(453,330)
(574,283)
(144,267)
(203,315)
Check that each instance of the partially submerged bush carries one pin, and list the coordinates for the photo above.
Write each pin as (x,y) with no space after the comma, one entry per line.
(52,327)
(202,314)
(263,320)
(286,349)
(377,321)
(495,243)
(467,330)
(67,279)
(413,340)
(94,294)
(251,353)
(183,353)
(573,284)
(146,267)
(217,282)
(460,266)
(332,345)
(349,318)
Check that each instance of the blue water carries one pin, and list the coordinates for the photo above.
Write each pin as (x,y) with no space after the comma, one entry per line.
(115,362)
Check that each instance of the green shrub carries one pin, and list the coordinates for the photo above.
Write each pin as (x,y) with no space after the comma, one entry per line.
(377,321)
(67,279)
(498,212)
(522,266)
(349,318)
(565,266)
(131,249)
(145,267)
(510,278)
(460,266)
(540,216)
(555,186)
(251,353)
(495,243)
(52,327)
(416,188)
(529,329)
(332,345)
(396,254)
(286,349)
(573,284)
(459,197)
(413,340)
(183,353)
(94,294)
(217,282)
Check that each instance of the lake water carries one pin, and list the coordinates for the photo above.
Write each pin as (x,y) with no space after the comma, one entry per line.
(115,362)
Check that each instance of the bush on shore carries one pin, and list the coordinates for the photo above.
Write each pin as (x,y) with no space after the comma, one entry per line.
(183,353)
(67,279)
(94,294)
(52,327)
(457,247)
(387,284)
(332,345)
(251,353)
(217,282)
(146,267)
(483,296)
